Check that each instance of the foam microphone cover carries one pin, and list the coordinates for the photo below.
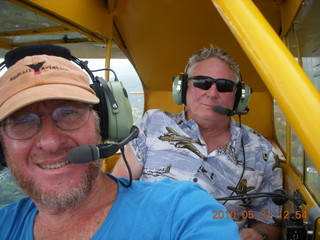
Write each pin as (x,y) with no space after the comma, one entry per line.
(222,110)
(83,154)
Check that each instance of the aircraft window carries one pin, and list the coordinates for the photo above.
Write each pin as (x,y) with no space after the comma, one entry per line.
(8,189)
(311,65)
(296,152)
(312,178)
(308,35)
(280,125)
(303,42)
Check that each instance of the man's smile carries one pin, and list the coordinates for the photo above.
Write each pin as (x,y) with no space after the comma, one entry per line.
(54,165)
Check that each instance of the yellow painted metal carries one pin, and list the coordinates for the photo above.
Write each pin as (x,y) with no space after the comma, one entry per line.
(160,100)
(289,10)
(59,41)
(108,58)
(283,76)
(258,101)
(88,17)
(6,43)
(110,5)
(36,31)
(108,163)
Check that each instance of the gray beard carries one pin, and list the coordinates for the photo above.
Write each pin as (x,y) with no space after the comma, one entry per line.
(57,201)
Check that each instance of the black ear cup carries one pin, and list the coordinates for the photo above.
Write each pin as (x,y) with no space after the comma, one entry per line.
(3,163)
(100,108)
(179,88)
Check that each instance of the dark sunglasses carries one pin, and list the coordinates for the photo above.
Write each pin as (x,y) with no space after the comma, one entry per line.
(205,83)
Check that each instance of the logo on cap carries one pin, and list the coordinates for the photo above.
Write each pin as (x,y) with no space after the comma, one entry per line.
(36,67)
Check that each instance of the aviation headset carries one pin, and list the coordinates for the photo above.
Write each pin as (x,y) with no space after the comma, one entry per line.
(114,108)
(180,86)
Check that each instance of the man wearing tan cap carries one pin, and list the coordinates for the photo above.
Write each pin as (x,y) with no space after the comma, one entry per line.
(46,109)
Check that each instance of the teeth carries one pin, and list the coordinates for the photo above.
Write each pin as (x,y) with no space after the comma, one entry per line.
(54,165)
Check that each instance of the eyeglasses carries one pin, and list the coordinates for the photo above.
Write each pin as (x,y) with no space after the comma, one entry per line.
(205,83)
(23,125)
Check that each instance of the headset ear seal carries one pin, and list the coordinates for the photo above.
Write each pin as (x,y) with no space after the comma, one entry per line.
(179,88)
(242,97)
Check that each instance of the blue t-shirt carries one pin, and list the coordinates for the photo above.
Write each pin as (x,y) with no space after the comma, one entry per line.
(161,210)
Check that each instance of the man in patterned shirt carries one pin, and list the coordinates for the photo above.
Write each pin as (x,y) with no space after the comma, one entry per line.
(210,148)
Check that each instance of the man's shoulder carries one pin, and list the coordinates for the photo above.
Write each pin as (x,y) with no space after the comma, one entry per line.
(158,112)
(24,204)
(161,194)
(156,118)
(169,187)
(167,183)
(250,134)
(181,208)
(164,184)
(18,219)
(19,212)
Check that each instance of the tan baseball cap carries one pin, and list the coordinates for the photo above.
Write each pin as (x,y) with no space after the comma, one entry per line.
(43,77)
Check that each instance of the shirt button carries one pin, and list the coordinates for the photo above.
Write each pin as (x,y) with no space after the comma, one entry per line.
(195,179)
